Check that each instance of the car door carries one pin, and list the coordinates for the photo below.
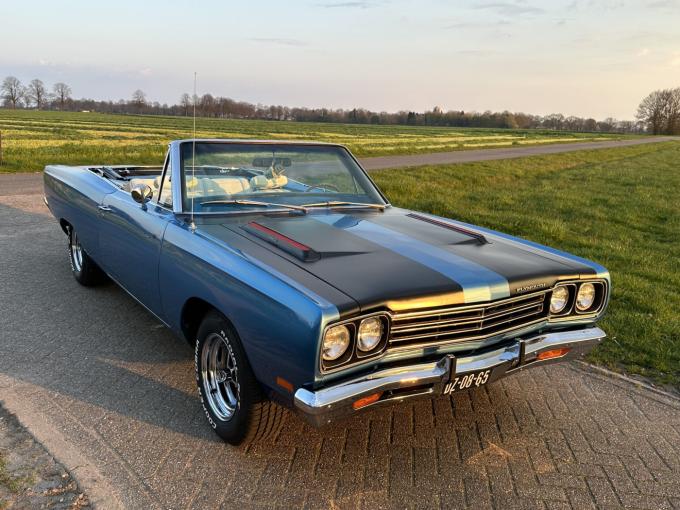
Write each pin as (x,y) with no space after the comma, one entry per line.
(130,243)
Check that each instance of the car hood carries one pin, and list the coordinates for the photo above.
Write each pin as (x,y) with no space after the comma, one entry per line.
(400,259)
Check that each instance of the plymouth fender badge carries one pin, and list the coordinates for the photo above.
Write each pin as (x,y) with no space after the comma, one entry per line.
(527,288)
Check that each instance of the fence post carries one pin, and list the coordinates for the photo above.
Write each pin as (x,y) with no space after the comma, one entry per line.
(0,148)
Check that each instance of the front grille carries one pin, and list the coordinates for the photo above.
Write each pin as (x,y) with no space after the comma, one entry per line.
(444,325)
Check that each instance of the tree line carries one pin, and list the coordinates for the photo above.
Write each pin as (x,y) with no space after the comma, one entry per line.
(659,113)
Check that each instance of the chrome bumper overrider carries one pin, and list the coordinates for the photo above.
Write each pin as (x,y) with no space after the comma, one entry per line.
(422,379)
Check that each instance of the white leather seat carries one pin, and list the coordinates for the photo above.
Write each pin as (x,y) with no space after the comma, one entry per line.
(149,181)
(260,182)
(231,185)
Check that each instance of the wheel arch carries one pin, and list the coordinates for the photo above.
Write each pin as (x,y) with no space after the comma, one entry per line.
(65,225)
(193,312)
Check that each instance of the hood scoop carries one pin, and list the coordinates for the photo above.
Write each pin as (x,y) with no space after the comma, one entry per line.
(281,241)
(461,230)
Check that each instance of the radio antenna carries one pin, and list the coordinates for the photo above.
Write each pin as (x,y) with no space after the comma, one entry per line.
(193,161)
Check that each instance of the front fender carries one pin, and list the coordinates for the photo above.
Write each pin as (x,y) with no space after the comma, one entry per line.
(278,321)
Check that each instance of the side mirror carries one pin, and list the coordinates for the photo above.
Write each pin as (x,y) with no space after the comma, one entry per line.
(141,193)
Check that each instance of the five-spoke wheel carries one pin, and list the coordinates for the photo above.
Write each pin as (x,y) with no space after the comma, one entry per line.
(233,401)
(220,376)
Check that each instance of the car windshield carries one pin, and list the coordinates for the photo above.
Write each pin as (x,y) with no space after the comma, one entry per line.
(221,177)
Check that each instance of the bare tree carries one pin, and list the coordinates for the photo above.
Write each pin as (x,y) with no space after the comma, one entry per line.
(660,112)
(672,112)
(650,111)
(37,93)
(185,103)
(62,93)
(12,91)
(139,100)
(206,105)
(139,97)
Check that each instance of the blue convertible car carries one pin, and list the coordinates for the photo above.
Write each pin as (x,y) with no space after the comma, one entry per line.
(300,286)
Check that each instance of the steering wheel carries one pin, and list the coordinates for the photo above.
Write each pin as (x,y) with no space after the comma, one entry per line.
(323,185)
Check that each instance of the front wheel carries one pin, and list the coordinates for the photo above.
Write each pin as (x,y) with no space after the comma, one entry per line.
(85,270)
(231,396)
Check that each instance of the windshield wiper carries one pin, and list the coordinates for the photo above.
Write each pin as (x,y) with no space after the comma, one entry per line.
(254,202)
(339,203)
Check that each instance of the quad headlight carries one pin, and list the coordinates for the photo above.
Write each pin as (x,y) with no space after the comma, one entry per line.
(577,299)
(335,342)
(370,334)
(354,341)
(585,297)
(559,299)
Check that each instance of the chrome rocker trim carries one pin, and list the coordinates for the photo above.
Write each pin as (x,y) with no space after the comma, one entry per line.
(398,384)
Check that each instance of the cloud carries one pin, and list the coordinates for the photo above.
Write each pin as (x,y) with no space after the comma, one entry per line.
(147,71)
(664,4)
(476,53)
(351,5)
(643,52)
(607,5)
(675,61)
(281,41)
(510,9)
(464,25)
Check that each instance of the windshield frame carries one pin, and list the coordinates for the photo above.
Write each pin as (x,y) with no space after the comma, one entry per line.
(178,171)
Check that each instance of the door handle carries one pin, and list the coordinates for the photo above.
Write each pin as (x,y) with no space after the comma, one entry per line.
(104,208)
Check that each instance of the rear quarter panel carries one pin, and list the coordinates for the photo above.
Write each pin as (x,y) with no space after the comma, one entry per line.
(73,194)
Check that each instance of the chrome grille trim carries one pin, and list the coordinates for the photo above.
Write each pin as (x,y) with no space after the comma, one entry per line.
(471,322)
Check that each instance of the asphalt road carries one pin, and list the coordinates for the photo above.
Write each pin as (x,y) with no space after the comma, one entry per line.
(111,394)
(467,156)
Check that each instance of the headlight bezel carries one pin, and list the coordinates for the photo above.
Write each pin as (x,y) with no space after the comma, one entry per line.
(353,354)
(600,301)
(571,312)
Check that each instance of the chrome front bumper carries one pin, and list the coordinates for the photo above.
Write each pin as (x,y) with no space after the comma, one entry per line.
(400,383)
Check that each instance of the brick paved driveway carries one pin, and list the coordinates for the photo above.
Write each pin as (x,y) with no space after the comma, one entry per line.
(111,393)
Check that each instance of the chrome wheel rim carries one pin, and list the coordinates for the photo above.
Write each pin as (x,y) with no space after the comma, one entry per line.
(76,252)
(220,377)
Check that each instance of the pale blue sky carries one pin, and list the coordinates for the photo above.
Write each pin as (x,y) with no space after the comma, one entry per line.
(582,57)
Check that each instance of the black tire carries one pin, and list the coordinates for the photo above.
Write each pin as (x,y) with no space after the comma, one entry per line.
(85,270)
(248,418)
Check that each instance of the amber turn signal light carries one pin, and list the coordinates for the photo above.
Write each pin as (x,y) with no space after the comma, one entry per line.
(284,384)
(365,401)
(554,353)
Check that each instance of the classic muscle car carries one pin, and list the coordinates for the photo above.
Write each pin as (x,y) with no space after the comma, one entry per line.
(300,286)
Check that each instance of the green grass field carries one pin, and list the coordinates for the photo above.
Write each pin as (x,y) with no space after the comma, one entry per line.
(619,207)
(33,139)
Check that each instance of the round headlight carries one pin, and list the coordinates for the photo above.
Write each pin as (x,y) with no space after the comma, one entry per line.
(370,334)
(585,297)
(335,342)
(559,299)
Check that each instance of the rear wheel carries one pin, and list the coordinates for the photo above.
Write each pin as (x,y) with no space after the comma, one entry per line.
(85,270)
(231,396)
